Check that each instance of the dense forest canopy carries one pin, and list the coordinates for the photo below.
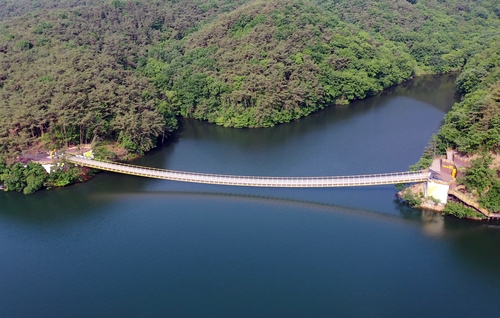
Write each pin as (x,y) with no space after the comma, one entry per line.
(270,62)
(13,8)
(78,71)
(69,76)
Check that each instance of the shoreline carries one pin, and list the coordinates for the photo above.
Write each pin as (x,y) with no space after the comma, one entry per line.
(428,204)
(119,154)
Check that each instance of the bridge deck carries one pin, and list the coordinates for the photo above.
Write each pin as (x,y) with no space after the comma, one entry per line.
(254,181)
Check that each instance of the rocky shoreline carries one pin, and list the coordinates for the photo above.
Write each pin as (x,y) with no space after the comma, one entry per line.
(442,193)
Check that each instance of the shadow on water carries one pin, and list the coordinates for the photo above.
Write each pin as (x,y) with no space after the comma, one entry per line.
(475,245)
(437,91)
(57,204)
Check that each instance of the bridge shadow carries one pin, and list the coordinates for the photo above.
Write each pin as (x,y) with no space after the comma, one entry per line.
(407,214)
(431,223)
(63,204)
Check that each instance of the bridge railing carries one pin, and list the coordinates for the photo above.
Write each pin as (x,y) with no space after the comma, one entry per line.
(390,175)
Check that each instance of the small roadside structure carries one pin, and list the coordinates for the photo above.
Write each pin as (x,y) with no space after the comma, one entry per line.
(49,159)
(437,189)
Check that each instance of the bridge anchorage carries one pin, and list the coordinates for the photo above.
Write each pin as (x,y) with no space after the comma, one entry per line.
(251,181)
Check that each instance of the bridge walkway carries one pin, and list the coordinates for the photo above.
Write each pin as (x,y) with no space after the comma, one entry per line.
(254,181)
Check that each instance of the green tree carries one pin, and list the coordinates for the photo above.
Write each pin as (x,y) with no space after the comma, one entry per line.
(460,211)
(14,178)
(63,175)
(409,197)
(35,177)
(491,200)
(479,177)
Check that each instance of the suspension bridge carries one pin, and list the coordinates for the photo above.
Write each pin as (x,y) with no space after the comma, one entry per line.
(253,181)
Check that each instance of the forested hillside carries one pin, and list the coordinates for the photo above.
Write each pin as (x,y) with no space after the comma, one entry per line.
(78,71)
(69,76)
(440,35)
(270,62)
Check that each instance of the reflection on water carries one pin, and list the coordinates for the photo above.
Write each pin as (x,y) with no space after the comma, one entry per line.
(433,223)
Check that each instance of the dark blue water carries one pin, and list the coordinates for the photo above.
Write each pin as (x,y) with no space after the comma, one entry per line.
(126,247)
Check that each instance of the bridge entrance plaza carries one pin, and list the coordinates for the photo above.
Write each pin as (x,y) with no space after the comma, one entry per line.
(254,181)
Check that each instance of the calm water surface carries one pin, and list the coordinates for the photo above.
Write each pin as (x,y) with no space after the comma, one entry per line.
(123,246)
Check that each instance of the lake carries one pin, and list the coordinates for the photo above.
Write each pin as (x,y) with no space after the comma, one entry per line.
(126,246)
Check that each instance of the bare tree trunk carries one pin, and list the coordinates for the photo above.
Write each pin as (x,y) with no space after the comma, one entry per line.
(81,135)
(94,138)
(65,136)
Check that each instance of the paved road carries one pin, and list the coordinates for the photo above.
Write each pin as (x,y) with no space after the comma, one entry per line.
(254,181)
